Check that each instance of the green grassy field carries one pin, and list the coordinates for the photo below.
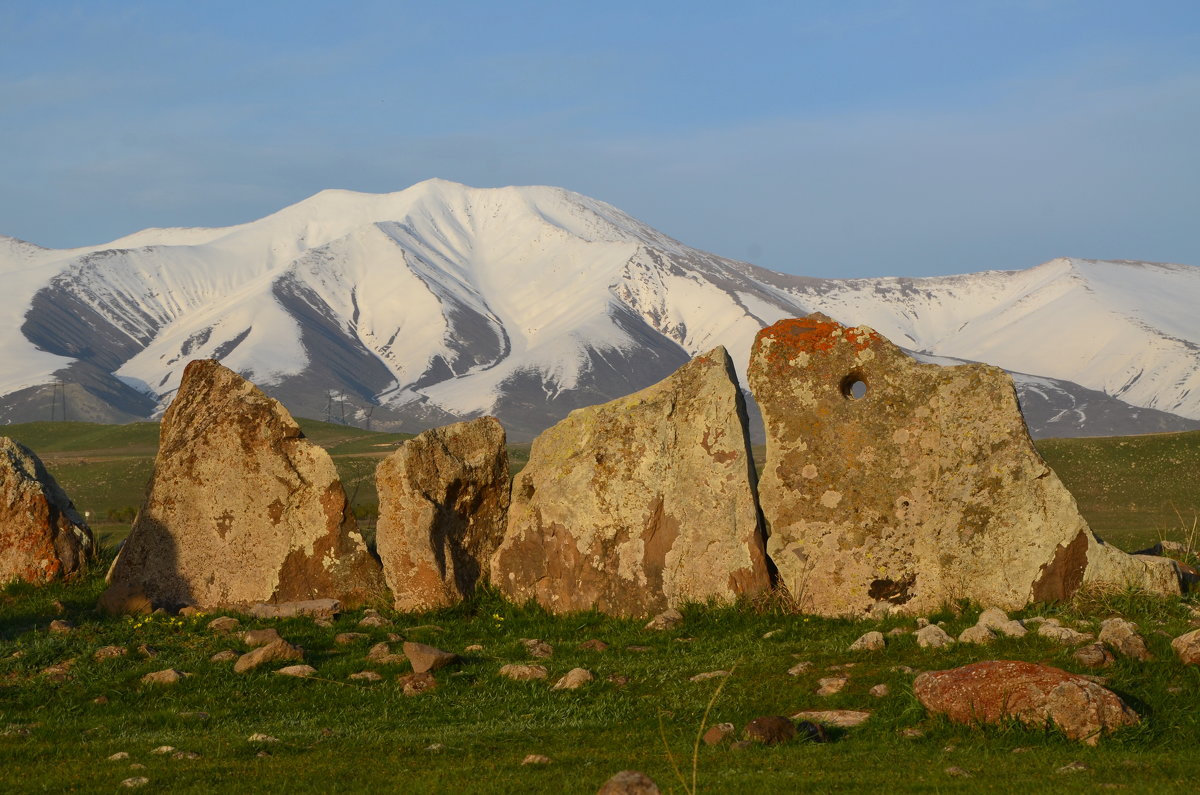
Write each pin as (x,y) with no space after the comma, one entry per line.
(641,712)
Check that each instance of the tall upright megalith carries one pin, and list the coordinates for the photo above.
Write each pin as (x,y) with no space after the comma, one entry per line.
(639,504)
(42,536)
(241,508)
(888,480)
(443,502)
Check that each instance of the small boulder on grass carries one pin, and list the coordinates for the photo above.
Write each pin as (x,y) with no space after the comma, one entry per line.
(1094,655)
(1123,637)
(1063,635)
(841,718)
(574,679)
(297,670)
(381,654)
(871,641)
(521,672)
(977,634)
(260,637)
(276,651)
(998,621)
(933,637)
(719,733)
(109,652)
(629,782)
(536,759)
(427,658)
(667,619)
(415,684)
(224,624)
(225,655)
(367,676)
(169,676)
(1187,646)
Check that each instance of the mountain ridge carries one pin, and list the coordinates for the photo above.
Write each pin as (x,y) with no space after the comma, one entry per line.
(444,301)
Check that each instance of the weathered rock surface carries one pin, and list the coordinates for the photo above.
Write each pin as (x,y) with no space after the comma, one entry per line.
(42,536)
(871,641)
(629,782)
(1123,637)
(169,676)
(1034,694)
(933,637)
(313,608)
(427,658)
(1187,646)
(443,503)
(915,484)
(522,672)
(841,718)
(241,508)
(277,651)
(639,504)
(574,679)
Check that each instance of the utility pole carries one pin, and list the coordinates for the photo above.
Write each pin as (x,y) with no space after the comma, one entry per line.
(369,410)
(329,406)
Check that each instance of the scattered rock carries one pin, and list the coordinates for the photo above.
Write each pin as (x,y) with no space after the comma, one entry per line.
(473,648)
(800,668)
(323,608)
(241,508)
(537,648)
(346,638)
(260,637)
(163,750)
(367,676)
(719,733)
(855,428)
(620,680)
(912,733)
(594,645)
(427,658)
(668,619)
(1123,637)
(60,671)
(830,685)
(224,624)
(168,676)
(769,730)
(977,634)
(1063,635)
(109,652)
(639,649)
(185,755)
(871,641)
(536,759)
(1034,694)
(135,781)
(1187,646)
(841,718)
(957,772)
(276,651)
(574,679)
(933,637)
(998,621)
(119,756)
(629,782)
(607,514)
(382,654)
(59,626)
(147,651)
(880,691)
(227,655)
(922,622)
(899,631)
(443,504)
(261,738)
(297,670)
(704,677)
(771,634)
(1073,767)
(187,611)
(372,618)
(42,536)
(521,672)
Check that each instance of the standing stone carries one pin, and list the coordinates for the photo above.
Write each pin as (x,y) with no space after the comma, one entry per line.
(42,536)
(915,484)
(241,508)
(443,499)
(640,504)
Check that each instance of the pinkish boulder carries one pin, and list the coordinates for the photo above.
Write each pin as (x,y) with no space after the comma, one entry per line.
(241,508)
(443,499)
(42,536)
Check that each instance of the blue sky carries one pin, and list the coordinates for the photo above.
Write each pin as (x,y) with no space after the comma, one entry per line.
(844,138)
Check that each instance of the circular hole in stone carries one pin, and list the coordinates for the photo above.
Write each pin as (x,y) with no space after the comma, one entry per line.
(854,386)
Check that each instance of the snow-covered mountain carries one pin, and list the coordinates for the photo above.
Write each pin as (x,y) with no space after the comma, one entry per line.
(443,301)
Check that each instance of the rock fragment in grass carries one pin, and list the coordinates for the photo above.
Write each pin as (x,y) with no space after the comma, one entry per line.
(474,647)
(871,641)
(771,634)
(427,658)
(382,654)
(346,638)
(977,634)
(574,679)
(226,655)
(367,676)
(933,637)
(60,626)
(372,618)
(119,756)
(1073,767)
(880,691)
(522,672)
(276,651)
(1123,637)
(998,621)
(163,750)
(417,683)
(109,652)
(1187,646)
(168,676)
(704,677)
(261,738)
(957,772)
(719,733)
(147,651)
(629,782)
(769,730)
(224,624)
(896,631)
(841,718)
(135,781)
(639,649)
(830,685)
(260,637)
(185,755)
(537,648)
(1064,635)
(297,670)
(667,619)
(800,668)
(536,759)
